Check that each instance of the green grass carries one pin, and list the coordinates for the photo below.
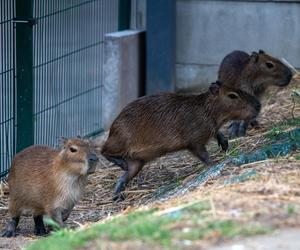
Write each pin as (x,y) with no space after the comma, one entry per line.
(150,228)
(281,127)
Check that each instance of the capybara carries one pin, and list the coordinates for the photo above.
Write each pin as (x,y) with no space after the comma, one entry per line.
(48,181)
(152,126)
(252,74)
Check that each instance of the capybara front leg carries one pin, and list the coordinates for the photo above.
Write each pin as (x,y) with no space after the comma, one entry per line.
(201,152)
(39,227)
(222,141)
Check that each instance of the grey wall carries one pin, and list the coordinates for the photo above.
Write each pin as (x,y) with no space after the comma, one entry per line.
(208,30)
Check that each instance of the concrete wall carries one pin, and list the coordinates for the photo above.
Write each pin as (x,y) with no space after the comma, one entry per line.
(123,71)
(208,30)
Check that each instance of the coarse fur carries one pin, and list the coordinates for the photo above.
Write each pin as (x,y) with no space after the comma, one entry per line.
(152,126)
(48,181)
(253,74)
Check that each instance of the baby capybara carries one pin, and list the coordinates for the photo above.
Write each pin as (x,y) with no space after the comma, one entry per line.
(48,181)
(152,126)
(252,74)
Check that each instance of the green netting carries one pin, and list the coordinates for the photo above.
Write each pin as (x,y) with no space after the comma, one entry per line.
(283,144)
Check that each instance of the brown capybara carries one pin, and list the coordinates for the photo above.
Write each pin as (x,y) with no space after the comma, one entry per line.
(152,126)
(252,74)
(48,181)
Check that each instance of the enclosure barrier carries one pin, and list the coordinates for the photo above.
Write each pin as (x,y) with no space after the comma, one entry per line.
(51,70)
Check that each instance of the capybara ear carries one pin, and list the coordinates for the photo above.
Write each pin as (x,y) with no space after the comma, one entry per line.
(254,57)
(62,141)
(261,51)
(214,88)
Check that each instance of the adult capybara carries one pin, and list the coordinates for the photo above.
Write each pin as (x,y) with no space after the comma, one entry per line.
(252,74)
(48,181)
(152,126)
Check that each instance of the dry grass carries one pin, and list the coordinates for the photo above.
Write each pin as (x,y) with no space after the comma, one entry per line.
(259,197)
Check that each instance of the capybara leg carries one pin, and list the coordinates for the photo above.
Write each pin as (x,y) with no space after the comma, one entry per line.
(10,230)
(234,129)
(254,124)
(222,141)
(201,152)
(56,215)
(134,167)
(118,160)
(66,214)
(39,227)
(242,129)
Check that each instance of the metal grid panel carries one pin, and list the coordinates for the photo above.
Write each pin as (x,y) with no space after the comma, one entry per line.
(68,66)
(7,85)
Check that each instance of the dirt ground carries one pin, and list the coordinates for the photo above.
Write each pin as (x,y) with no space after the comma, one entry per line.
(272,197)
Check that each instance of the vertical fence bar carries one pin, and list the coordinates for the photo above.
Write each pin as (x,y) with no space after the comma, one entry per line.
(24,77)
(124,14)
(160,40)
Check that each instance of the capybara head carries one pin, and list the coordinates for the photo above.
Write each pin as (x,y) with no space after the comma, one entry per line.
(267,70)
(78,156)
(233,103)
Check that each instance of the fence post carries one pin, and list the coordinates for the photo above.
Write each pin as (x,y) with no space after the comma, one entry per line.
(24,71)
(124,14)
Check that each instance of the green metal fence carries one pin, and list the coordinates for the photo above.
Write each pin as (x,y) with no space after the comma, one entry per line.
(7,84)
(52,57)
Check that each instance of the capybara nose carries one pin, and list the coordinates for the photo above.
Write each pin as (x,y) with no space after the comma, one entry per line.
(92,158)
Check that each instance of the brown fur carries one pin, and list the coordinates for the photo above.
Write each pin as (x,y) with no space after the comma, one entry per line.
(155,125)
(49,181)
(253,73)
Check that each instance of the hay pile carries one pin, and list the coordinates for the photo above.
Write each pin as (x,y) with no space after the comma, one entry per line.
(165,172)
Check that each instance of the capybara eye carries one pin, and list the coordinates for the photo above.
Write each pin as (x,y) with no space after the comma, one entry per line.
(233,96)
(269,65)
(73,150)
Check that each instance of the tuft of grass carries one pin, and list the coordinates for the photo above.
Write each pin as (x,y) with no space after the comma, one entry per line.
(281,127)
(150,228)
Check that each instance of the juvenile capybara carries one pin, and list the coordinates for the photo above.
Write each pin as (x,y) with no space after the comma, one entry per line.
(252,74)
(152,126)
(48,181)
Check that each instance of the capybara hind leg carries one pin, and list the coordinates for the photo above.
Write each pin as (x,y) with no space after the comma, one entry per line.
(10,230)
(39,227)
(201,152)
(134,167)
(222,141)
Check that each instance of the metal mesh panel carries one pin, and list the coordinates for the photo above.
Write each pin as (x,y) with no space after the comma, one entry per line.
(68,66)
(68,57)
(7,85)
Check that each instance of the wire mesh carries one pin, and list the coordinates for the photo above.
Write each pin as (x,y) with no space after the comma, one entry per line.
(7,85)
(68,66)
(68,58)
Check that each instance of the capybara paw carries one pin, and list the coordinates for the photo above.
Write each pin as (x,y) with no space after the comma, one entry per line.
(9,233)
(40,231)
(118,197)
(223,142)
